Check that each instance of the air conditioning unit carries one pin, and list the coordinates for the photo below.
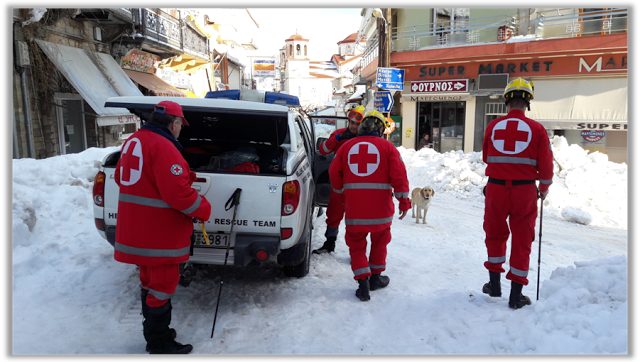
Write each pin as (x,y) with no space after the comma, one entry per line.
(493,81)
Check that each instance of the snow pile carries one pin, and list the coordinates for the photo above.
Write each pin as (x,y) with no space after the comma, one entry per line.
(587,188)
(597,289)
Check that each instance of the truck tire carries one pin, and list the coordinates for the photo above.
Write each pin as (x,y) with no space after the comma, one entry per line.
(301,270)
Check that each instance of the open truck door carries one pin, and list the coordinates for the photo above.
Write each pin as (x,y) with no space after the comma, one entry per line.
(322,162)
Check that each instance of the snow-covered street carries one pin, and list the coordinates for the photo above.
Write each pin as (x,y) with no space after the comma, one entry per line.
(72,297)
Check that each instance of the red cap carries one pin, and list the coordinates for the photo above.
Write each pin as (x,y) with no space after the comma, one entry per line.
(172,108)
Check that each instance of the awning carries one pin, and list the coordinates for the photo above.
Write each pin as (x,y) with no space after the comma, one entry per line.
(576,103)
(184,62)
(97,77)
(155,84)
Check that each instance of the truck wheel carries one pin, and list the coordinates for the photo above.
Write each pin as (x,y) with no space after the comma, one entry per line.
(302,269)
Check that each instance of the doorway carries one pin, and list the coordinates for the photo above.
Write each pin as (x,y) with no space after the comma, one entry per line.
(443,122)
(71,125)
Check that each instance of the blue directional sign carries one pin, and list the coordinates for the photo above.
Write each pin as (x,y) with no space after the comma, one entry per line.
(382,102)
(390,78)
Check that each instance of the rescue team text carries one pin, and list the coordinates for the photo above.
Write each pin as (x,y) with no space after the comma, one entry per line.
(269,224)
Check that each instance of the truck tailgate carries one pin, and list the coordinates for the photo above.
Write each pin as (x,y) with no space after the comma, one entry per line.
(260,202)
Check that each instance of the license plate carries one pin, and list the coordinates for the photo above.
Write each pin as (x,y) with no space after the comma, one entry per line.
(214,239)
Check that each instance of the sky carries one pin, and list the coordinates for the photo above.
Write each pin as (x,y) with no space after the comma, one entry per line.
(323,27)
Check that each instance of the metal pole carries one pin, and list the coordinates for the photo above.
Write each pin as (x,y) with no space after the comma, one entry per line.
(539,248)
(235,201)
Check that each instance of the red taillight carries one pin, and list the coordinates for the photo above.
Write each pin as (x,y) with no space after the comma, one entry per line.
(100,224)
(98,189)
(290,197)
(261,255)
(286,233)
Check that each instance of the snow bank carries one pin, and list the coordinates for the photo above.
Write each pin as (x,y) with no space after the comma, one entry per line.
(587,188)
(583,305)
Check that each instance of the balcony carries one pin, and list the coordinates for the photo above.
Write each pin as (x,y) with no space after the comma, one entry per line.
(473,31)
(547,24)
(565,23)
(161,33)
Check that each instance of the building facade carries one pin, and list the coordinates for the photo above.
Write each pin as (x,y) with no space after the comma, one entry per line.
(68,62)
(458,63)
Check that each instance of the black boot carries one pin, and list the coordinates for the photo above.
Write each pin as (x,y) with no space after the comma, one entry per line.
(363,290)
(493,287)
(378,281)
(145,315)
(158,335)
(328,245)
(516,299)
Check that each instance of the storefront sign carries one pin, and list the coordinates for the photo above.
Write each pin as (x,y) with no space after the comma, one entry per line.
(117,120)
(139,61)
(611,126)
(452,98)
(568,65)
(456,85)
(264,68)
(177,79)
(592,135)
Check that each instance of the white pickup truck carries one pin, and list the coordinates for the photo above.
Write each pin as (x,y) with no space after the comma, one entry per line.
(274,218)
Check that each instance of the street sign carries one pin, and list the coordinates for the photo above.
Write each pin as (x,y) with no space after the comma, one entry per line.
(390,78)
(431,86)
(382,102)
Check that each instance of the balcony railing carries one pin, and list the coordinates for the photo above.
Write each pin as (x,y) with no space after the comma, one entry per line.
(559,23)
(472,31)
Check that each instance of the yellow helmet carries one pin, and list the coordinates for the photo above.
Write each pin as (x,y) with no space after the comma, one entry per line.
(355,114)
(519,88)
(380,119)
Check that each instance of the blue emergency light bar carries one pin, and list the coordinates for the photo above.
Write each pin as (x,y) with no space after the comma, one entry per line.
(256,96)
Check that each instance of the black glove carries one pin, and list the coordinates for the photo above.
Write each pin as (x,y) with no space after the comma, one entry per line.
(345,135)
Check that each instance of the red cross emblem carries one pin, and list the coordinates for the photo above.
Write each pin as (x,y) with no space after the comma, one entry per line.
(176,169)
(511,136)
(363,159)
(131,166)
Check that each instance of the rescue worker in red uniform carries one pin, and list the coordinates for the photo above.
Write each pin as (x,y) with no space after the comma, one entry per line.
(156,208)
(364,172)
(517,152)
(335,208)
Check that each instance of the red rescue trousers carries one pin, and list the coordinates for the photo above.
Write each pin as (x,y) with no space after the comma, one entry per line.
(376,263)
(161,282)
(519,204)
(335,210)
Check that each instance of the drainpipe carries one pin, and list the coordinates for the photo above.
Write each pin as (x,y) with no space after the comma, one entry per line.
(16,154)
(22,64)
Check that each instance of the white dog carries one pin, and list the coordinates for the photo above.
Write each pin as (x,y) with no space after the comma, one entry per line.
(421,199)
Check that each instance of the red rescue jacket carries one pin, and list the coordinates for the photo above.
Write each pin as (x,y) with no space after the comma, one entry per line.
(365,170)
(517,148)
(156,202)
(332,144)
